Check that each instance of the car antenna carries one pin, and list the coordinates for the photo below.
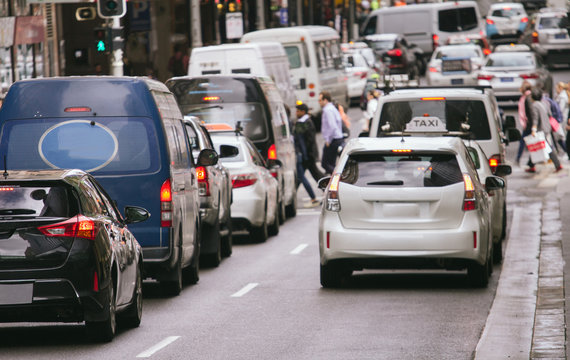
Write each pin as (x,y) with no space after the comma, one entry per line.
(5,168)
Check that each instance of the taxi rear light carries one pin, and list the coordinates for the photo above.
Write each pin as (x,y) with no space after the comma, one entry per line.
(487,51)
(395,52)
(437,98)
(203,185)
(435,40)
(401,150)
(494,160)
(5,188)
(490,22)
(210,98)
(77,226)
(77,109)
(469,199)
(243,180)
(529,76)
(535,37)
(332,201)
(166,204)
(524,20)
(272,152)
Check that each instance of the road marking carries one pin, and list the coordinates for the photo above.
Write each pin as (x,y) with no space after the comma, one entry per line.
(306,212)
(298,249)
(160,345)
(245,290)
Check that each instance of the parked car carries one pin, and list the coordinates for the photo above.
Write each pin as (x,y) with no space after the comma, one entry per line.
(505,22)
(215,189)
(505,71)
(68,254)
(256,191)
(454,65)
(397,54)
(254,102)
(405,203)
(128,133)
(357,71)
(547,35)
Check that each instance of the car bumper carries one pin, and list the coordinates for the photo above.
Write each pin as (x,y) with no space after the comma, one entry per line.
(437,79)
(249,205)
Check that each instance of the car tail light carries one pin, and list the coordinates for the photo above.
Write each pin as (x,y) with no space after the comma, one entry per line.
(435,40)
(524,20)
(394,52)
(243,180)
(529,76)
(272,153)
(487,51)
(166,204)
(485,77)
(311,86)
(203,185)
(469,200)
(494,160)
(360,74)
(490,22)
(535,37)
(433,69)
(77,226)
(312,94)
(332,200)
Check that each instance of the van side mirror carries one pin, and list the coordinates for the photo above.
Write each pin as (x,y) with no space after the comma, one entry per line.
(494,183)
(135,214)
(503,170)
(207,157)
(228,151)
(323,182)
(510,122)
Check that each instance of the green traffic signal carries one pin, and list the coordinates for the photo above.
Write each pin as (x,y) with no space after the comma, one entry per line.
(101,46)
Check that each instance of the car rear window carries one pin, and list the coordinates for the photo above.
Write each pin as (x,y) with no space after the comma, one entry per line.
(107,146)
(550,22)
(452,112)
(510,60)
(456,20)
(21,202)
(415,169)
(507,12)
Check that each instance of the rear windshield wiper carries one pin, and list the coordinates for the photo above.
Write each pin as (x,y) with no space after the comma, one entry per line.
(386,182)
(17,212)
(205,108)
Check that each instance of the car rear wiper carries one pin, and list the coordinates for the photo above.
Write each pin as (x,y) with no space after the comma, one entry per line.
(205,108)
(17,211)
(386,182)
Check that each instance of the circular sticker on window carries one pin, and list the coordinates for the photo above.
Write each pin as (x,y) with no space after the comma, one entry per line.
(78,144)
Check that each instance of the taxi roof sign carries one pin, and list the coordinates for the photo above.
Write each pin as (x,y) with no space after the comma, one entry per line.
(426,124)
(219,127)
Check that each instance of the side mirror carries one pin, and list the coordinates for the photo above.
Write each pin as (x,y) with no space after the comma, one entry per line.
(207,157)
(494,183)
(510,122)
(503,170)
(274,163)
(364,134)
(135,214)
(323,182)
(228,151)
(513,134)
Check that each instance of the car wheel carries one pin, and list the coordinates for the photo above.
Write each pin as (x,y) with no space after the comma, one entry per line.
(192,272)
(498,252)
(173,286)
(332,275)
(212,233)
(260,233)
(227,239)
(291,209)
(104,331)
(131,317)
(282,212)
(478,274)
(274,227)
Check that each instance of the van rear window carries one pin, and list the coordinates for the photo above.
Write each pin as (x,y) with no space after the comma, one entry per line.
(452,112)
(459,19)
(417,169)
(105,146)
(214,90)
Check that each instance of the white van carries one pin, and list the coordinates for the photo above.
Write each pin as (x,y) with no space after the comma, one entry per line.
(260,59)
(315,61)
(426,25)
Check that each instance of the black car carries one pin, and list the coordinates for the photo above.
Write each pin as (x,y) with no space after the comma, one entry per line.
(66,253)
(397,54)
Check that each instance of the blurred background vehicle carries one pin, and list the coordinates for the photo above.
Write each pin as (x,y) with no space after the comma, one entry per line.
(357,71)
(505,22)
(398,56)
(454,65)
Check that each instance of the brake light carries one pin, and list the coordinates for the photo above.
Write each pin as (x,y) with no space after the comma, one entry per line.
(524,20)
(494,160)
(210,98)
(485,77)
(166,204)
(203,185)
(433,98)
(486,51)
(332,201)
(395,52)
(360,74)
(272,152)
(433,69)
(535,37)
(490,21)
(311,86)
(77,226)
(435,40)
(243,180)
(529,76)
(77,109)
(469,200)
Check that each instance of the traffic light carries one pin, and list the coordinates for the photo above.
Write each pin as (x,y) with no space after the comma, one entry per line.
(101,40)
(111,8)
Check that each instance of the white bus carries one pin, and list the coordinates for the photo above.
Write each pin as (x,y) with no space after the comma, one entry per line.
(315,61)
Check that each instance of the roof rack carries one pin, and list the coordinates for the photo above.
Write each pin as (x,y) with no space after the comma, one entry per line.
(481,88)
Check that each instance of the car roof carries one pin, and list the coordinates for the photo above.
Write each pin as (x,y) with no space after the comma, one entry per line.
(511,48)
(451,92)
(42,175)
(457,46)
(427,143)
(502,5)
(379,37)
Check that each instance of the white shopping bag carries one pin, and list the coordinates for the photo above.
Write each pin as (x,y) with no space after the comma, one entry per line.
(537,147)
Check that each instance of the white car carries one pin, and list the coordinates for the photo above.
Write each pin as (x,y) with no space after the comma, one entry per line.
(406,202)
(455,65)
(505,22)
(357,71)
(497,198)
(255,189)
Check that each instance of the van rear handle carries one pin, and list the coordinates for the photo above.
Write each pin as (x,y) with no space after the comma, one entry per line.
(302,84)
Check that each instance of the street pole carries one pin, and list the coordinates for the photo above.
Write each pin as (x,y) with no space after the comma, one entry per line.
(117,58)
(260,15)
(196,23)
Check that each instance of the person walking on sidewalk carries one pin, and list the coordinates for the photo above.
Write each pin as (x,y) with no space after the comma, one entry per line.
(562,97)
(305,127)
(523,107)
(331,130)
(538,120)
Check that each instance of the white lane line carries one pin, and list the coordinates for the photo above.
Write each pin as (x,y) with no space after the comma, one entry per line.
(245,290)
(298,249)
(160,345)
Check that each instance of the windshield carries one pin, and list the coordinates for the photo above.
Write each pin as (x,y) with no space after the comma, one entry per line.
(510,60)
(452,112)
(458,52)
(382,45)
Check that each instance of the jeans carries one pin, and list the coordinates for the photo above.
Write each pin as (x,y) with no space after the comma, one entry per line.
(330,154)
(302,179)
(522,144)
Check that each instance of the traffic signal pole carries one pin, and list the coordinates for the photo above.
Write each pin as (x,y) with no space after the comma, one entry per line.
(117,58)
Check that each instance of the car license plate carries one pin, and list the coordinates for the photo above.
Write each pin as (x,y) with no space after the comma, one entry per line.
(560,36)
(16,294)
(507,79)
(456,81)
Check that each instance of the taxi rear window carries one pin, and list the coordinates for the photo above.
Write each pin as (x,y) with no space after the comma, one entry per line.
(452,112)
(214,90)
(415,169)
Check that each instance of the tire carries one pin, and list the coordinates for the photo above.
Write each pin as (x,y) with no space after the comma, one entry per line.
(274,227)
(173,286)
(191,274)
(478,275)
(331,275)
(498,252)
(104,331)
(282,213)
(260,233)
(131,317)
(291,209)
(227,240)
(212,232)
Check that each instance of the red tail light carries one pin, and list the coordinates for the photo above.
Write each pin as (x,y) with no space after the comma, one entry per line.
(243,180)
(394,52)
(360,74)
(535,37)
(485,77)
(272,152)
(490,21)
(486,51)
(529,76)
(332,201)
(77,226)
(435,40)
(203,185)
(494,160)
(166,204)
(524,20)
(469,200)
